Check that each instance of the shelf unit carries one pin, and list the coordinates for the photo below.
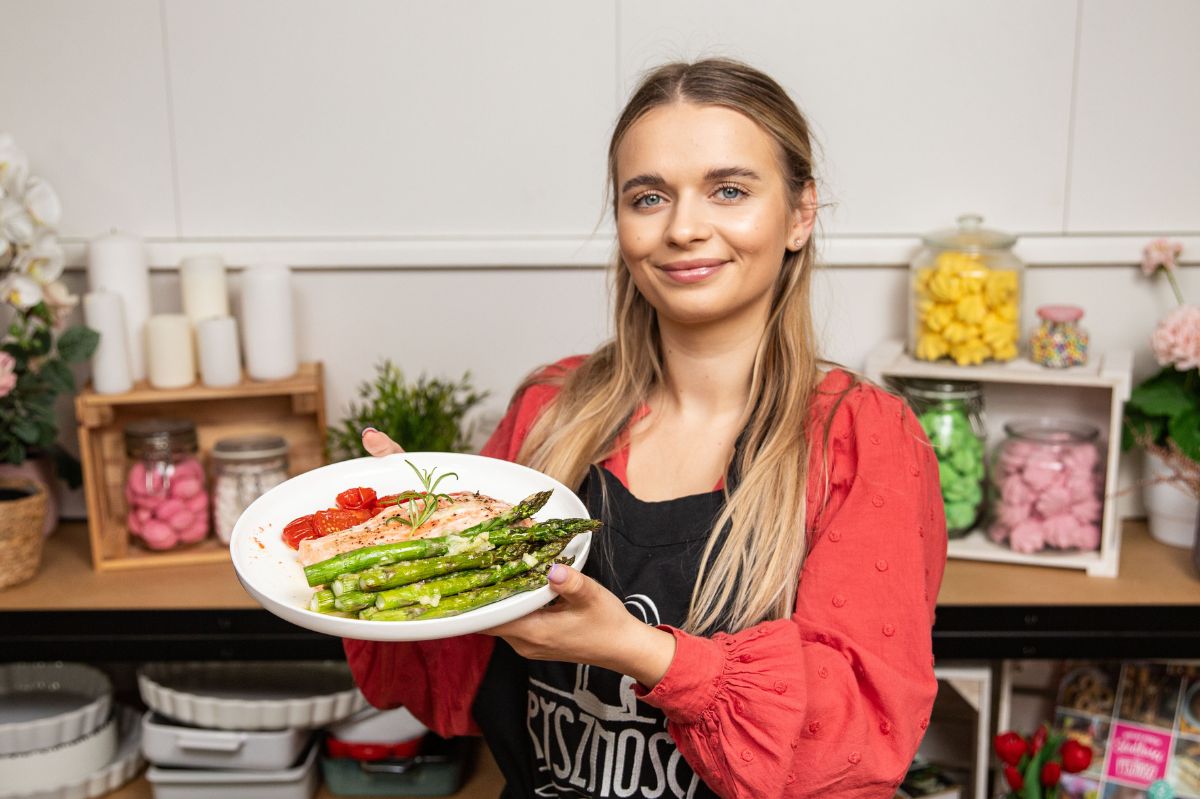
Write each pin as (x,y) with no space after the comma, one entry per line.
(1095,393)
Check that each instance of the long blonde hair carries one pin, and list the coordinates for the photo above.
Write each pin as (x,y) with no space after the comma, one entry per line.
(751,573)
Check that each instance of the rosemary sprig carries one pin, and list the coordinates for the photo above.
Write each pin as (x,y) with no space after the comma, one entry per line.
(429,498)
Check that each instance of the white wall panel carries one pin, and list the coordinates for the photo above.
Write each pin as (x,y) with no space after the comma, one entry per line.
(83,94)
(1137,120)
(924,110)
(322,118)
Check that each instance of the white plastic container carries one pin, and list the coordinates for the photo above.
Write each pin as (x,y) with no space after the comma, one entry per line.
(169,744)
(299,782)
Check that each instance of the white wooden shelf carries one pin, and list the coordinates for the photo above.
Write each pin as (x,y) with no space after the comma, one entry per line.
(1095,393)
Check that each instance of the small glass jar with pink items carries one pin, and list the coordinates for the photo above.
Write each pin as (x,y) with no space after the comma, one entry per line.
(1047,486)
(165,486)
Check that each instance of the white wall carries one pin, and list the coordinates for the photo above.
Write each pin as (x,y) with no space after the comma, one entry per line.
(390,150)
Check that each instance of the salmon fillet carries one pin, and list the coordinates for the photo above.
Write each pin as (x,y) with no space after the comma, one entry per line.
(455,512)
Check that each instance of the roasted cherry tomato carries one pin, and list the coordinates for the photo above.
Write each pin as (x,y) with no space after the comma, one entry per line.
(299,529)
(355,498)
(335,520)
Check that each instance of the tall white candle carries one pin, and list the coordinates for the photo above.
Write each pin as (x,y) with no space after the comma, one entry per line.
(117,263)
(268,325)
(202,284)
(220,364)
(170,362)
(104,312)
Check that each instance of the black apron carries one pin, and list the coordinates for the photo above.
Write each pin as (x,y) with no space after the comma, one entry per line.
(564,729)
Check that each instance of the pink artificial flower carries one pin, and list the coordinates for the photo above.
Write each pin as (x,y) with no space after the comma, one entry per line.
(1160,252)
(1176,340)
(8,374)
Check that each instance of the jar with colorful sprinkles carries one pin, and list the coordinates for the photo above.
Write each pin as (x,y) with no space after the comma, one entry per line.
(1059,341)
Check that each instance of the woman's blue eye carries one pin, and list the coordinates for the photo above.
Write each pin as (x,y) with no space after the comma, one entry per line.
(648,200)
(730,192)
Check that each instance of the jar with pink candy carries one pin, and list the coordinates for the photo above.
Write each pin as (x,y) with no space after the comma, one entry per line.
(165,487)
(1047,486)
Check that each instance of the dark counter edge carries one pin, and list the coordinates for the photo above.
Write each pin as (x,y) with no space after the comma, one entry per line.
(962,632)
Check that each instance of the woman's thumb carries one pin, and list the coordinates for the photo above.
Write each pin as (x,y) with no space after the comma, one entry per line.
(566,581)
(379,444)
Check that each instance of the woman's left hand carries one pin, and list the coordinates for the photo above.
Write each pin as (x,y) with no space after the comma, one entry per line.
(588,624)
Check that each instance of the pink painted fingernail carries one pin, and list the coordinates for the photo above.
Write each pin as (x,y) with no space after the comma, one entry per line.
(558,573)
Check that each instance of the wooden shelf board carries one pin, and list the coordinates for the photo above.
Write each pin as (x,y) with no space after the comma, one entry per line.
(300,383)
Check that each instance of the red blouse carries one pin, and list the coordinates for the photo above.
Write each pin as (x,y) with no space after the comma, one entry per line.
(832,701)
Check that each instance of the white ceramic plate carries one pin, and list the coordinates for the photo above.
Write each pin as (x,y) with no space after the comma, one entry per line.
(271,574)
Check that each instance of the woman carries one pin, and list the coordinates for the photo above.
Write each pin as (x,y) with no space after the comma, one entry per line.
(755,618)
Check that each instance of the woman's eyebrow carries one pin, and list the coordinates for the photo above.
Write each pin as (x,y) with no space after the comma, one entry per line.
(714,174)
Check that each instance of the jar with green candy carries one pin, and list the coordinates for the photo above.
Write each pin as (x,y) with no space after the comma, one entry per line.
(951,413)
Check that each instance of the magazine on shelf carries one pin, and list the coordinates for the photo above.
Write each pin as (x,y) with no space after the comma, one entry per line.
(1142,720)
(928,781)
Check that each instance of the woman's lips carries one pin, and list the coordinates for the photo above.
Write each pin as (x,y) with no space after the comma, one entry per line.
(692,271)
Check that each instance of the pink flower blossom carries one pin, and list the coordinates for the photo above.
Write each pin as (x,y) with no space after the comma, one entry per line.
(1176,340)
(1160,253)
(8,374)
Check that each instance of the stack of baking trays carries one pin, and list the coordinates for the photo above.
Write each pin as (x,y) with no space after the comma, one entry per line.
(61,737)
(245,730)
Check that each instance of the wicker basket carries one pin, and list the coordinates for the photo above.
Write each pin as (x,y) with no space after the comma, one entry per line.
(21,531)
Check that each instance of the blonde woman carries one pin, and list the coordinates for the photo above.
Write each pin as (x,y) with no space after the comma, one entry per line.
(755,618)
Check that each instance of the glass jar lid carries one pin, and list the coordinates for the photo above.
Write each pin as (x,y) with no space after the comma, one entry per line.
(929,389)
(1046,430)
(250,448)
(969,236)
(159,437)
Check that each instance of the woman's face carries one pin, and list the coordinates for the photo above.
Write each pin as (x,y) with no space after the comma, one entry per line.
(703,212)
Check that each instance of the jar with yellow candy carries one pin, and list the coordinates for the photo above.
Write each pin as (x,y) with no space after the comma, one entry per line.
(966,295)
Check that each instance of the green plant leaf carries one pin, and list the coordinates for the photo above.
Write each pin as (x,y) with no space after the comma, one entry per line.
(1165,394)
(78,344)
(40,342)
(1155,428)
(57,376)
(25,430)
(1185,432)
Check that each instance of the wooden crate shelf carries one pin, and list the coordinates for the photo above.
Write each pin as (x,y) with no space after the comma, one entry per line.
(293,408)
(1095,393)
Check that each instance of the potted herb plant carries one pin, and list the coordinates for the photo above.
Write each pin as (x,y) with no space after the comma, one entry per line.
(425,415)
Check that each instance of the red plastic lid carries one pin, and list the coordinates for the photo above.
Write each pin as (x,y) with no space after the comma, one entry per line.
(1060,313)
(374,751)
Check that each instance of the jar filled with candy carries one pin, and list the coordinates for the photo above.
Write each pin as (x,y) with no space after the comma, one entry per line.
(1059,341)
(244,468)
(965,295)
(164,486)
(1047,486)
(951,413)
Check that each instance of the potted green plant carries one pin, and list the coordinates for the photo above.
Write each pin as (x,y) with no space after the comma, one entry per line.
(427,415)
(37,346)
(1163,413)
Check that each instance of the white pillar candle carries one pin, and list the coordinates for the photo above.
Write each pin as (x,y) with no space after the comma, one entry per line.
(170,362)
(216,339)
(268,326)
(117,263)
(104,312)
(202,284)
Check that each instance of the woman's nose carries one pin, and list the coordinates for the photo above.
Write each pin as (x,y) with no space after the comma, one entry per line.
(688,223)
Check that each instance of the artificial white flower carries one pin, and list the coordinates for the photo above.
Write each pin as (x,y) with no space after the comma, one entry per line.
(60,300)
(42,202)
(16,224)
(43,260)
(14,166)
(21,291)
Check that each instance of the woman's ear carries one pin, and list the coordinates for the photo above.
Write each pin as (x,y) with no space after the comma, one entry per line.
(803,217)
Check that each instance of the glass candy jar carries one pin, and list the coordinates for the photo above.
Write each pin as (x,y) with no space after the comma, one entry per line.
(965,295)
(244,468)
(1047,486)
(166,500)
(1059,341)
(951,413)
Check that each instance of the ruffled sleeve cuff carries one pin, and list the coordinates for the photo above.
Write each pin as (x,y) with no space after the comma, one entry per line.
(692,680)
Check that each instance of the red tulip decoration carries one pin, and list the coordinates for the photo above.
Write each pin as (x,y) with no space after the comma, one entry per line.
(1034,766)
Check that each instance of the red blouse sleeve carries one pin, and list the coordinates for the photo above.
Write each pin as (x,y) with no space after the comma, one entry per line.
(438,680)
(833,701)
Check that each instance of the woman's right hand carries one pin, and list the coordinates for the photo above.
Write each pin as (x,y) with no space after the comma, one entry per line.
(379,444)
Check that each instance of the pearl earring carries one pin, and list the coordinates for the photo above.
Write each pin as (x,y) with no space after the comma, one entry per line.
(797,243)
